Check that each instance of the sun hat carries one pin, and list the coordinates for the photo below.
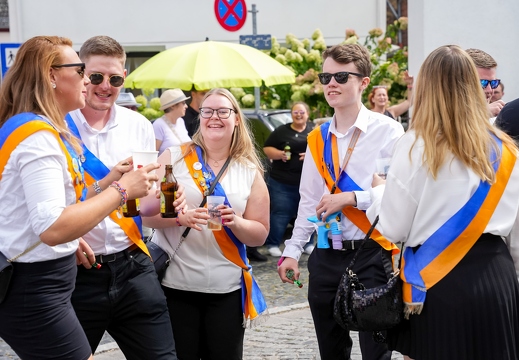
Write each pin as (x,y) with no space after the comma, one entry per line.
(127,99)
(172,97)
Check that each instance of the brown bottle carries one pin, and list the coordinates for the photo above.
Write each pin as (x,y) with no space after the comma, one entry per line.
(131,208)
(168,194)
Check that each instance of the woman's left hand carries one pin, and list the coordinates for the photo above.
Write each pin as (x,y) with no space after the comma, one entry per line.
(377,180)
(228,215)
(180,201)
(302,156)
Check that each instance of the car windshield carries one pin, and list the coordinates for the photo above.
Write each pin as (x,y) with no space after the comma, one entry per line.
(279,119)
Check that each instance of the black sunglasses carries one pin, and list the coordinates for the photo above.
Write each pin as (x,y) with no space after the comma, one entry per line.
(493,83)
(98,78)
(81,71)
(341,77)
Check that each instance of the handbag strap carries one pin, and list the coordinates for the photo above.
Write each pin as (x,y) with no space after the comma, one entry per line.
(363,242)
(30,248)
(202,204)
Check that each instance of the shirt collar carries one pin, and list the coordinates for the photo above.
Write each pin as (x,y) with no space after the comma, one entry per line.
(112,121)
(361,123)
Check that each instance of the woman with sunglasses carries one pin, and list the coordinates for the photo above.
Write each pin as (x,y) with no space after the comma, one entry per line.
(210,290)
(379,100)
(285,174)
(452,198)
(41,184)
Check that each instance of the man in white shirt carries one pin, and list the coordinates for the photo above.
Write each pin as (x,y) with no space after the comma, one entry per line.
(123,296)
(346,71)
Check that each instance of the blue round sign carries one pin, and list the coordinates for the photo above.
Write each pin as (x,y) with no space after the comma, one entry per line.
(231,14)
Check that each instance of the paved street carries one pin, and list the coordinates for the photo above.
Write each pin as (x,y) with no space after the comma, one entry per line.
(287,335)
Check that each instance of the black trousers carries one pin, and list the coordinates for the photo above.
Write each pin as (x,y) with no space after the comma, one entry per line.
(206,326)
(326,267)
(124,297)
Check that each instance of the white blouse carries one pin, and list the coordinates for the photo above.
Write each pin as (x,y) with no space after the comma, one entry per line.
(199,265)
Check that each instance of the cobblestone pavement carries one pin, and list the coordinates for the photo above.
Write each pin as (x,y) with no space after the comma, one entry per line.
(287,335)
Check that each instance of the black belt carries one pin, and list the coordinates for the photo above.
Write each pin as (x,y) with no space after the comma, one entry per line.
(355,244)
(103,259)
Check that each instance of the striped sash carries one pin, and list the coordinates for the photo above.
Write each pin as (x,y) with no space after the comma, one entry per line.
(21,126)
(325,153)
(445,248)
(253,302)
(95,170)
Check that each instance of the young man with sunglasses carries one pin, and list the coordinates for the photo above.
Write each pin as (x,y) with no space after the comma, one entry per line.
(123,296)
(486,67)
(370,135)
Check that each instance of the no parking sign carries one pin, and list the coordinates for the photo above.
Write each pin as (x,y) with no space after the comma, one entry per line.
(231,14)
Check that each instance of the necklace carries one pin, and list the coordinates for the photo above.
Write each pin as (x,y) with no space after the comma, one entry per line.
(216,163)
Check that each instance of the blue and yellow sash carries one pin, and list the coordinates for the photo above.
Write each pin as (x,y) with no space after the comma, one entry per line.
(21,126)
(95,170)
(325,153)
(445,248)
(253,302)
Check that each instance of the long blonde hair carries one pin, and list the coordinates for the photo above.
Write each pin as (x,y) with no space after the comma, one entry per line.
(27,85)
(451,114)
(242,143)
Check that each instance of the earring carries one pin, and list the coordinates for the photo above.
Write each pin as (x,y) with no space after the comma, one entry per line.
(53,85)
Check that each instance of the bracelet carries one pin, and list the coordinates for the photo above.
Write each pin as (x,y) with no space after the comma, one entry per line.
(122,191)
(177,221)
(96,187)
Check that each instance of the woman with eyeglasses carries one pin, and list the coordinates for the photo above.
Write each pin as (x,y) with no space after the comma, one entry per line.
(41,185)
(451,197)
(379,100)
(285,174)
(170,129)
(210,290)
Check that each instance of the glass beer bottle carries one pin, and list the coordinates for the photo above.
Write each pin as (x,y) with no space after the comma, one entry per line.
(287,151)
(168,194)
(131,208)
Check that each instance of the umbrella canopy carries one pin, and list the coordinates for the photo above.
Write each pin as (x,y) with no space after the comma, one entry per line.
(209,64)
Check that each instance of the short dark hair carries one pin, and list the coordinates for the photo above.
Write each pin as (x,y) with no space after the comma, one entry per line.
(102,45)
(351,53)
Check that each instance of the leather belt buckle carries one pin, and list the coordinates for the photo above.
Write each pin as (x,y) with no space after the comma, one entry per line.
(103,259)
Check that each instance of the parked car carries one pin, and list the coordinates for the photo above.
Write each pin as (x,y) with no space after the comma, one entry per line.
(263,122)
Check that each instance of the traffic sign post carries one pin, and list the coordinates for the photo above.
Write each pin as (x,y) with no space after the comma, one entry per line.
(231,14)
(260,42)
(7,55)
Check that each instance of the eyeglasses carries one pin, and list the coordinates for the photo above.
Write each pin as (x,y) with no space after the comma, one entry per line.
(493,83)
(341,77)
(98,78)
(299,112)
(222,113)
(81,71)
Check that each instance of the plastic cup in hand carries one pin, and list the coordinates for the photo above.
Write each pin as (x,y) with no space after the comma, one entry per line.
(383,167)
(215,218)
(143,158)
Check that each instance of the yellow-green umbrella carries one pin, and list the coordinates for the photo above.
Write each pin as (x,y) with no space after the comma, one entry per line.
(209,64)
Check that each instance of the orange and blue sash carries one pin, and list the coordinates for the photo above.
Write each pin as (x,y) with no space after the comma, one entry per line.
(253,302)
(422,268)
(19,127)
(325,152)
(95,170)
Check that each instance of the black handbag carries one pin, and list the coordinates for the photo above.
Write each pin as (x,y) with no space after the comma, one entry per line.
(376,309)
(6,272)
(160,257)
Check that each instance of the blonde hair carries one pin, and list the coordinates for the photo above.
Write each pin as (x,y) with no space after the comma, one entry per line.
(27,85)
(242,146)
(451,115)
(482,59)
(103,46)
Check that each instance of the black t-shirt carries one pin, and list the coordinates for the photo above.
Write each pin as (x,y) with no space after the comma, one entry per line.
(288,172)
(191,120)
(508,119)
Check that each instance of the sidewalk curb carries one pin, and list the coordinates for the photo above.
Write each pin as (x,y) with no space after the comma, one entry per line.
(274,311)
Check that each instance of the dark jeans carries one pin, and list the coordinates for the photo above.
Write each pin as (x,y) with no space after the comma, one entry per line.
(207,326)
(326,267)
(125,298)
(284,201)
